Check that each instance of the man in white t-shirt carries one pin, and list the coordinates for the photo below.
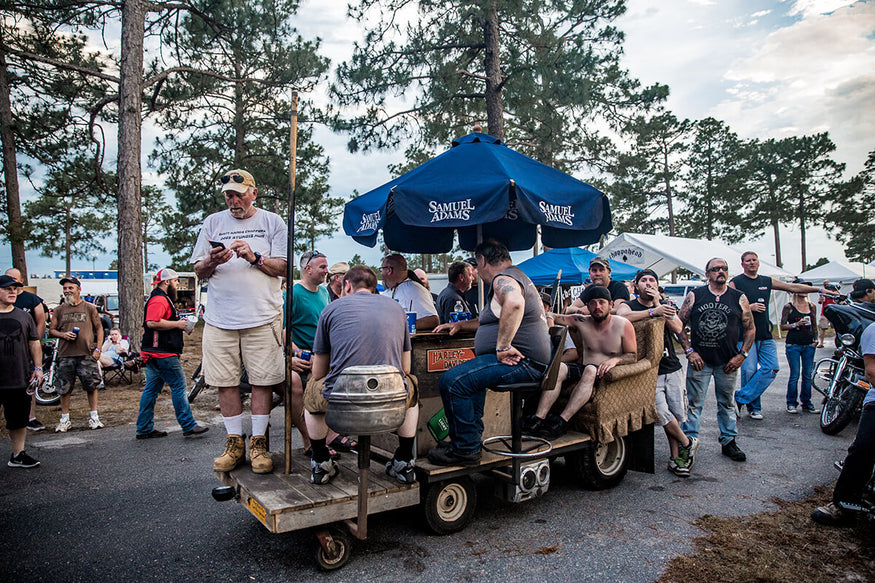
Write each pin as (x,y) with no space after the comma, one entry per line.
(243,253)
(412,296)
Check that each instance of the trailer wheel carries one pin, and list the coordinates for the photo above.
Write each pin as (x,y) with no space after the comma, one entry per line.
(342,547)
(449,506)
(600,466)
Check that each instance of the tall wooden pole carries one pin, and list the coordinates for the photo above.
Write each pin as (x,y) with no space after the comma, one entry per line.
(290,279)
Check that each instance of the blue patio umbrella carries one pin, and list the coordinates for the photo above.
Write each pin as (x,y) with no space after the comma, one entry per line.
(574,263)
(482,189)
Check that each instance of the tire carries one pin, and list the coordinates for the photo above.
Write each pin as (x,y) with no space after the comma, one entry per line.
(839,409)
(46,394)
(199,383)
(343,542)
(449,506)
(600,466)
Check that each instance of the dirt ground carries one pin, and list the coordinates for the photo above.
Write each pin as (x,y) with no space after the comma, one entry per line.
(775,547)
(119,404)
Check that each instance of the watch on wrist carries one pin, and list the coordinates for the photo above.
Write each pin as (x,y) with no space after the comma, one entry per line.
(258,261)
(744,353)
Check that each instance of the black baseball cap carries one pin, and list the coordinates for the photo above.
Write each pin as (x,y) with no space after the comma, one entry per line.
(594,292)
(9,281)
(71,280)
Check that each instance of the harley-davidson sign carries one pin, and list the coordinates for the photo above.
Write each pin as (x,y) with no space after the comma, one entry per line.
(446,358)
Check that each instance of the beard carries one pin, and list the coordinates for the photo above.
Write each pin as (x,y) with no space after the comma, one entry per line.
(171,293)
(599,318)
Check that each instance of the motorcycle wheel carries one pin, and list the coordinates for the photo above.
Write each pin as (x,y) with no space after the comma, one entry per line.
(46,393)
(839,409)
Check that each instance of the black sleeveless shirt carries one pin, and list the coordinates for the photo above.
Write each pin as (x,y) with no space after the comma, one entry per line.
(715,322)
(801,335)
(757,290)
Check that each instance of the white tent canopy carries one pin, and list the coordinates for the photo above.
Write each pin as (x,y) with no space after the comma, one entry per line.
(663,254)
(844,272)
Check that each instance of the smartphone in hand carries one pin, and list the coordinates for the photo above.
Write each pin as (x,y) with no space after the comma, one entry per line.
(217,244)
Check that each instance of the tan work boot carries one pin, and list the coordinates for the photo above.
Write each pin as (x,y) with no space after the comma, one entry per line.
(259,456)
(233,455)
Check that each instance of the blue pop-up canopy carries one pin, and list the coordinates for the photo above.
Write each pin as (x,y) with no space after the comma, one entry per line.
(574,263)
(479,185)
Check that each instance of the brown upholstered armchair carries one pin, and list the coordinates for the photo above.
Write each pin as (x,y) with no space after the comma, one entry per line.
(624,399)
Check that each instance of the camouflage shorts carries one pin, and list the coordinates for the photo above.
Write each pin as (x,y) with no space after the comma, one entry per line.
(70,367)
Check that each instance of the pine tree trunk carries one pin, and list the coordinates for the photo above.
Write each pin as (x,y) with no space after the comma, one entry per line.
(494,106)
(778,260)
(15,229)
(130,243)
(802,229)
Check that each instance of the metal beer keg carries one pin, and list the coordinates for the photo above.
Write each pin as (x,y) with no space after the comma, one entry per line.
(367,400)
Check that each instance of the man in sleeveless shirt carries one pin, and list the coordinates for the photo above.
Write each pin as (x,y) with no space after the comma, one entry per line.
(512,345)
(715,314)
(671,394)
(761,367)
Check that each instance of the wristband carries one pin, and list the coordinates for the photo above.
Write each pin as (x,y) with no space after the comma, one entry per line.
(39,368)
(688,351)
(497,350)
(650,311)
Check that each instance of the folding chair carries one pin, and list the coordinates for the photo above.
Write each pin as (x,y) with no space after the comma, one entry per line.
(123,373)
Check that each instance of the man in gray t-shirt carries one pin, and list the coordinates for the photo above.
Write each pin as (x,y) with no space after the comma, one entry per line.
(359,328)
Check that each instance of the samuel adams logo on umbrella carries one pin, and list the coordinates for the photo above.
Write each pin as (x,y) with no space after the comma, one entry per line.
(445,211)
(556,213)
(370,222)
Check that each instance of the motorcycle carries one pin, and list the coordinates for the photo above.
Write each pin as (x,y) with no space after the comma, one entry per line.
(45,390)
(841,379)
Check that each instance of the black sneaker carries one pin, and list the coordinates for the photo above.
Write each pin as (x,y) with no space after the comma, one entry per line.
(322,472)
(22,460)
(553,427)
(832,515)
(401,471)
(530,424)
(447,456)
(35,425)
(197,430)
(152,434)
(732,451)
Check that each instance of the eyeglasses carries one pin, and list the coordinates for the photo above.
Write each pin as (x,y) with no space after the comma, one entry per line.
(309,256)
(382,267)
(718,268)
(235,177)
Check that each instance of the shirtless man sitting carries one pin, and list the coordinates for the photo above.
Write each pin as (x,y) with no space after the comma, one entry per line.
(608,340)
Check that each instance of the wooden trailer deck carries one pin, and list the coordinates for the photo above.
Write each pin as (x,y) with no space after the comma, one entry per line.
(290,502)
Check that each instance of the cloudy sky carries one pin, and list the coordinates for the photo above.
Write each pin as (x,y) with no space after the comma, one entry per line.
(767,68)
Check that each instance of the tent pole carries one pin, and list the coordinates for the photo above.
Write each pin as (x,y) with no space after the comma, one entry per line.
(290,282)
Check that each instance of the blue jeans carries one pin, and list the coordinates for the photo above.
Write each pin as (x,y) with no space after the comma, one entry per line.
(697,389)
(463,391)
(800,356)
(758,371)
(159,371)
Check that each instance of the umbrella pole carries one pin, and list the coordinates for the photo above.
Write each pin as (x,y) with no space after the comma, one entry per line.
(290,282)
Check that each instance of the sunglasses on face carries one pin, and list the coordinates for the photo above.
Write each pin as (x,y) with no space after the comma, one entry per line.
(309,256)
(235,177)
(718,268)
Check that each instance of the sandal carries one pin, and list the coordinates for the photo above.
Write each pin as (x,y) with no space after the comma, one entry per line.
(334,455)
(344,443)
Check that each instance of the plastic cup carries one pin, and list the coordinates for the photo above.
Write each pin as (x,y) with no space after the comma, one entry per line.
(411,322)
(190,322)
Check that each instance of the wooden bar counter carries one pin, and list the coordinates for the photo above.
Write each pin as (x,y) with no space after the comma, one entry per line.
(432,355)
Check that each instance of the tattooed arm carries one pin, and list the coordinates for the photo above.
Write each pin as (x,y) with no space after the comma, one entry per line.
(509,295)
(685,314)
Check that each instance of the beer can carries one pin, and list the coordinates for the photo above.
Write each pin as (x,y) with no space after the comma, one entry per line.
(76,331)
(305,355)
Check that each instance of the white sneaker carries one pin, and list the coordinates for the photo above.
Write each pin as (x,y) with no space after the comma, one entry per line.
(63,426)
(755,415)
(94,423)
(792,409)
